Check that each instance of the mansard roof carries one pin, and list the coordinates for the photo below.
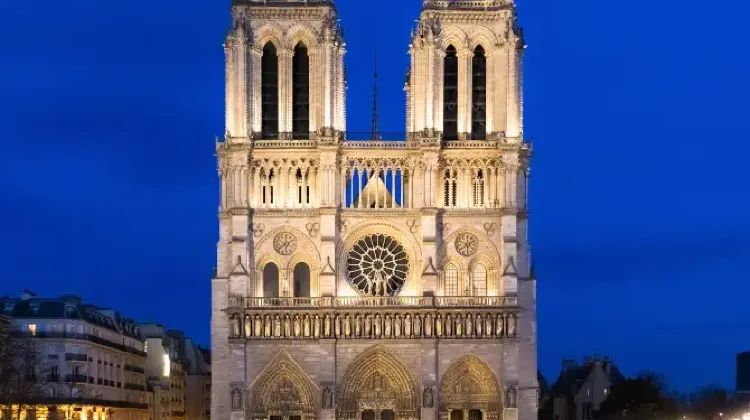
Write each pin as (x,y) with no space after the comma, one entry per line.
(67,307)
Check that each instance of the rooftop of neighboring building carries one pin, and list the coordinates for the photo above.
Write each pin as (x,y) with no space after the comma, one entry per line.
(573,375)
(28,305)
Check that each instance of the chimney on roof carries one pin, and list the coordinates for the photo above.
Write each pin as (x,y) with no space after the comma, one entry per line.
(27,294)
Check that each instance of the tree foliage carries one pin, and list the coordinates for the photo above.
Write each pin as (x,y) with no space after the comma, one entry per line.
(639,398)
(709,401)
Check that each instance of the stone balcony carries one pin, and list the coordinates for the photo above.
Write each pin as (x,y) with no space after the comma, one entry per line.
(401,317)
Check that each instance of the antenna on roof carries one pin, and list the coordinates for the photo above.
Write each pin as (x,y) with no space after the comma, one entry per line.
(375,132)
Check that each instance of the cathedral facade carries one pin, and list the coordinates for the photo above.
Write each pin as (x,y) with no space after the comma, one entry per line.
(363,277)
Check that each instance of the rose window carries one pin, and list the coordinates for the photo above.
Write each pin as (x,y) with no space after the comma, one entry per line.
(377,266)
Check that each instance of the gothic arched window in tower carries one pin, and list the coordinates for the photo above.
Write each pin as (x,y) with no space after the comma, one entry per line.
(300,93)
(269,83)
(301,280)
(270,280)
(479,94)
(451,280)
(450,188)
(479,280)
(450,94)
(478,188)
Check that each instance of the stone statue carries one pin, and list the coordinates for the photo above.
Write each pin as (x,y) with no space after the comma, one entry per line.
(500,329)
(306,329)
(459,325)
(337,326)
(417,326)
(297,326)
(258,326)
(236,327)
(358,326)
(378,283)
(488,325)
(428,325)
(427,397)
(397,326)
(510,398)
(512,321)
(347,326)
(378,326)
(287,326)
(368,326)
(469,326)
(439,326)
(276,326)
(327,326)
(316,326)
(407,326)
(480,325)
(267,326)
(327,398)
(388,322)
(248,326)
(236,399)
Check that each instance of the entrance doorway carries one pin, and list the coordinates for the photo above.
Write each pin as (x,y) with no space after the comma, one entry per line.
(384,415)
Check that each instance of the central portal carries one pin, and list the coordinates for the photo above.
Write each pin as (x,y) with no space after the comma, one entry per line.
(377,385)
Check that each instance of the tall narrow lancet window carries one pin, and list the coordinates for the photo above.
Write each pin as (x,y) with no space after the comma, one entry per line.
(270,280)
(450,94)
(479,280)
(450,190)
(478,188)
(301,280)
(300,93)
(269,89)
(451,280)
(479,95)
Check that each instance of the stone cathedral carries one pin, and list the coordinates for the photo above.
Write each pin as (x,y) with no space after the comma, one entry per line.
(373,277)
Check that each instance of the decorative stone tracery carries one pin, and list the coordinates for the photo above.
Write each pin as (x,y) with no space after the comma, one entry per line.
(470,384)
(283,390)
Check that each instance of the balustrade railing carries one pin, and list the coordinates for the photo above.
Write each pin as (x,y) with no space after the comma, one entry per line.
(371,302)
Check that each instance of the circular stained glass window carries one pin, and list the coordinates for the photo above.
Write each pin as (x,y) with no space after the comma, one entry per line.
(377,266)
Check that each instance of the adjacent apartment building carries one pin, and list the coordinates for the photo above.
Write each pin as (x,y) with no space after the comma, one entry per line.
(83,362)
(79,361)
(581,388)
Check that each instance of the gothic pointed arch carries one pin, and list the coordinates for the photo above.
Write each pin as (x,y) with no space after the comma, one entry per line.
(283,389)
(300,92)
(269,81)
(378,380)
(470,384)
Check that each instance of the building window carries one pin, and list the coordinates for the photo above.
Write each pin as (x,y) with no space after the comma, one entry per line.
(300,93)
(451,280)
(271,280)
(450,188)
(269,89)
(450,94)
(478,188)
(32,329)
(479,280)
(479,94)
(301,280)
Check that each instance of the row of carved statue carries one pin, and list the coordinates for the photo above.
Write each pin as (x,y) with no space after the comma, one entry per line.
(419,325)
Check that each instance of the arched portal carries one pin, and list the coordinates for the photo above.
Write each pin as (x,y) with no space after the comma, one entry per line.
(469,391)
(282,391)
(377,381)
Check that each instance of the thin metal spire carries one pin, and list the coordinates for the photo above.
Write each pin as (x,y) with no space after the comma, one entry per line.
(375,131)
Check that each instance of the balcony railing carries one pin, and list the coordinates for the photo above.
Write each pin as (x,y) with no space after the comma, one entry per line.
(79,336)
(371,302)
(76,379)
(72,357)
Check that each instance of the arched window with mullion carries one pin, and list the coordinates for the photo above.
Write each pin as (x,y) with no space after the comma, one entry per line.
(300,93)
(269,91)
(450,94)
(479,94)
(451,280)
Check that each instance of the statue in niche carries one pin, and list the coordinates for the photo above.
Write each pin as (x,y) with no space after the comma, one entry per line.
(327,398)
(378,325)
(307,326)
(258,326)
(459,325)
(407,326)
(469,326)
(297,326)
(327,326)
(488,325)
(337,325)
(417,326)
(388,323)
(397,326)
(267,326)
(439,326)
(368,326)
(511,397)
(512,321)
(428,326)
(347,326)
(358,326)
(500,328)
(378,283)
(479,324)
(276,326)
(235,326)
(236,399)
(287,326)
(427,397)
(449,326)
(316,326)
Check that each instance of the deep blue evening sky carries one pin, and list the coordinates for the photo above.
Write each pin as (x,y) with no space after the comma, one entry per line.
(640,226)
